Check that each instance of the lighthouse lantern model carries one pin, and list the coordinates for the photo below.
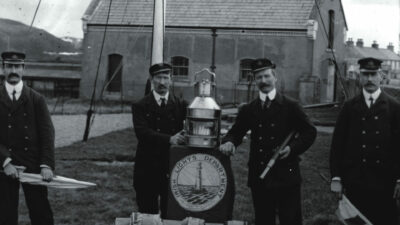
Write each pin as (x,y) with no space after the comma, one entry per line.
(203,119)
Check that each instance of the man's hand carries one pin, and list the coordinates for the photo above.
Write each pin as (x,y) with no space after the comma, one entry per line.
(284,153)
(177,139)
(11,171)
(396,193)
(227,148)
(336,186)
(47,174)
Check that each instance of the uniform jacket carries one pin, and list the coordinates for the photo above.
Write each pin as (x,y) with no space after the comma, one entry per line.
(27,132)
(153,127)
(365,145)
(268,130)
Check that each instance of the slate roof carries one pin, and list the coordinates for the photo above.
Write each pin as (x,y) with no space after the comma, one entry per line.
(354,52)
(261,14)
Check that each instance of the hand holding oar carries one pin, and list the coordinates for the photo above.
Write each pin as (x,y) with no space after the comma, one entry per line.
(272,161)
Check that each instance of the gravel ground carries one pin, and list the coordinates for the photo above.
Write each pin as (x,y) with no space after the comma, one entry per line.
(70,128)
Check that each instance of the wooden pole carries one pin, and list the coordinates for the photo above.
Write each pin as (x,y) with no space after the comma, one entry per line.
(157,51)
(157,46)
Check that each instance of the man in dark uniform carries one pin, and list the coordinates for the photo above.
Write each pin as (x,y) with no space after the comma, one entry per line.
(365,156)
(158,122)
(271,117)
(27,139)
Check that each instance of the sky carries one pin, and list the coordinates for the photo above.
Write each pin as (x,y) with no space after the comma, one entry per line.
(373,20)
(367,19)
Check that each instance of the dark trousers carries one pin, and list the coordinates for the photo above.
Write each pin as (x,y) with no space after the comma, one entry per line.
(377,205)
(35,197)
(151,196)
(284,201)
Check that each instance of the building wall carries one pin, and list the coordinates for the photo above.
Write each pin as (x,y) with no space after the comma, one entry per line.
(290,50)
(323,56)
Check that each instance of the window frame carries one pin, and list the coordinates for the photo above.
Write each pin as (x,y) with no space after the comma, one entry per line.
(242,70)
(180,64)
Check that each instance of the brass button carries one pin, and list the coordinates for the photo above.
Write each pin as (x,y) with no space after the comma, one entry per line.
(260,138)
(24,114)
(376,117)
(262,163)
(158,130)
(364,160)
(9,126)
(26,137)
(290,169)
(272,138)
(363,132)
(26,127)
(377,146)
(9,114)
(260,150)
(26,149)
(378,161)
(158,118)
(377,132)
(260,125)
(272,124)
(364,146)
(363,118)
(9,149)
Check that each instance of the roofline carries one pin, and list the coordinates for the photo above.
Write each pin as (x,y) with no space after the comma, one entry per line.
(198,27)
(344,15)
(341,7)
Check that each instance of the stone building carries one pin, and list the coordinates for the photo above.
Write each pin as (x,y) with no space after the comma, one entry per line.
(223,35)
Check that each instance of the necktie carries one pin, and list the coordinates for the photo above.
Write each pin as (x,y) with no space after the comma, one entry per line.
(162,102)
(371,101)
(267,103)
(14,99)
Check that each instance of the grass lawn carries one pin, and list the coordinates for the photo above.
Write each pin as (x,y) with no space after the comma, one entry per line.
(96,161)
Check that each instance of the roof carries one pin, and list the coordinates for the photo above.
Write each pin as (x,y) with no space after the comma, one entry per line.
(354,52)
(271,14)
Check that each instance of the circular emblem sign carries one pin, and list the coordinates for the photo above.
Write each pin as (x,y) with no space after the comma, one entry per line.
(198,182)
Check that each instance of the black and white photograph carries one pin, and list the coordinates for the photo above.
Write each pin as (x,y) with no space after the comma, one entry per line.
(200,112)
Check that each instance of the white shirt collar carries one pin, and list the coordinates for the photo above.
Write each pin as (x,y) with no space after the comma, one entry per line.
(18,89)
(271,95)
(374,95)
(158,97)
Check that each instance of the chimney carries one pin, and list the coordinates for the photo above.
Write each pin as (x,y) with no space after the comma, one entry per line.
(375,45)
(360,43)
(390,47)
(350,42)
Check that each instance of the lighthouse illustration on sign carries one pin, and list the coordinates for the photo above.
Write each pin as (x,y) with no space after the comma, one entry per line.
(198,182)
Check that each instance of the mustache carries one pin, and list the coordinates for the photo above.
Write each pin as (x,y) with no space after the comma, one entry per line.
(162,86)
(261,85)
(13,75)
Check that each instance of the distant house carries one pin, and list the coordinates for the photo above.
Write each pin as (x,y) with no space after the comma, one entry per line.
(52,79)
(354,52)
(218,34)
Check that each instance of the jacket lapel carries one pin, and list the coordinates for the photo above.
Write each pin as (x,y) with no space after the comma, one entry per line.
(4,98)
(360,106)
(276,105)
(380,104)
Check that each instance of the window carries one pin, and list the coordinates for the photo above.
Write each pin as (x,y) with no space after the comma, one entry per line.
(245,73)
(331,28)
(180,66)
(114,76)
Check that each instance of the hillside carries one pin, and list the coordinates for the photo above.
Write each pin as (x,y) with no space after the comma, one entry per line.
(35,42)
